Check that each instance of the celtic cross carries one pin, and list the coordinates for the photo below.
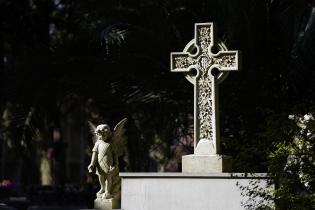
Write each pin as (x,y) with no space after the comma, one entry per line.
(205,69)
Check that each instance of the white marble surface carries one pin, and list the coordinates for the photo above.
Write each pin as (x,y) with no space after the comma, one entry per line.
(179,191)
(206,164)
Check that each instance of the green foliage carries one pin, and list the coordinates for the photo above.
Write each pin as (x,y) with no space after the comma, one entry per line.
(293,165)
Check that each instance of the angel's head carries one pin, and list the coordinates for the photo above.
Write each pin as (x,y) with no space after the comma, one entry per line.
(103,132)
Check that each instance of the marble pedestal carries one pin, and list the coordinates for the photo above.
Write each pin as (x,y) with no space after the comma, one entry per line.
(180,191)
(206,163)
(106,204)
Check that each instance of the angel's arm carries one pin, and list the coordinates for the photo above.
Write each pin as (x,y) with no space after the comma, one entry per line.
(93,162)
(93,159)
(115,161)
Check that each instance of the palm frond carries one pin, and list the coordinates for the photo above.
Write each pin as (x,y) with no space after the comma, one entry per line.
(114,36)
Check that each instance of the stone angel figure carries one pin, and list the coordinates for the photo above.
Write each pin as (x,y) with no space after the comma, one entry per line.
(108,147)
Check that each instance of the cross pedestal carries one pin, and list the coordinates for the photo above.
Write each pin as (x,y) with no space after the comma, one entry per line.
(205,69)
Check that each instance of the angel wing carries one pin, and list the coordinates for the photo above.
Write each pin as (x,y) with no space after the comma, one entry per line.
(119,139)
(92,129)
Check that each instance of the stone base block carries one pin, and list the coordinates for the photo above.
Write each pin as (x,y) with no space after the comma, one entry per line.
(106,204)
(206,164)
(180,191)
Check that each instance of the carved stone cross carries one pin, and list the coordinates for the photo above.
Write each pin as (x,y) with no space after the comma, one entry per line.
(210,69)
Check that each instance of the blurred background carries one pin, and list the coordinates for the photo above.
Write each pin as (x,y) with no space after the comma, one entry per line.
(64,63)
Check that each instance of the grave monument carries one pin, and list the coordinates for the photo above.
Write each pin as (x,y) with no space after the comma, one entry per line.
(210,68)
(203,183)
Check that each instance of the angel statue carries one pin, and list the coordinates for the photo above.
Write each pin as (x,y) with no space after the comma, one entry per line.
(108,147)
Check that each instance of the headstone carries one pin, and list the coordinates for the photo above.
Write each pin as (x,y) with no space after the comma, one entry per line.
(201,185)
(205,69)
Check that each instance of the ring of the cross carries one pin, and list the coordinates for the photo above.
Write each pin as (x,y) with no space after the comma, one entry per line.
(190,48)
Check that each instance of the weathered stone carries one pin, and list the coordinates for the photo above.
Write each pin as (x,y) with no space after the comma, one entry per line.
(211,69)
(106,204)
(206,164)
(104,161)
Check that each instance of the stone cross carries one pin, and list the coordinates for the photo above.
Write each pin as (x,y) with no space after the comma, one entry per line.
(205,69)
